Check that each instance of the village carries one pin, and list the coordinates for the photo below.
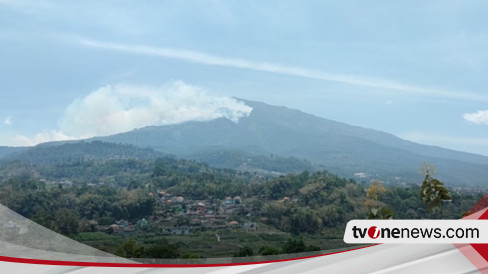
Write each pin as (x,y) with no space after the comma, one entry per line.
(177,215)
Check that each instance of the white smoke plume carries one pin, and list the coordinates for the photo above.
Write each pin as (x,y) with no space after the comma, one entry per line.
(120,108)
(41,137)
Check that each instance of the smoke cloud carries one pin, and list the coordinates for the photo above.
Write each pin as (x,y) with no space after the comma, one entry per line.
(120,108)
(42,137)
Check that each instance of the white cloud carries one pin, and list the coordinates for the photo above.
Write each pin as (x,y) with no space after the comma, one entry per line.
(121,108)
(479,118)
(208,59)
(8,121)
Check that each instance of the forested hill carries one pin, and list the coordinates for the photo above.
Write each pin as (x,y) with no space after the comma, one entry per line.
(6,151)
(246,161)
(94,201)
(52,153)
(72,151)
(118,170)
(97,195)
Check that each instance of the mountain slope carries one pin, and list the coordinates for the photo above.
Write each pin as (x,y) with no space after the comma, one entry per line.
(6,151)
(60,152)
(341,148)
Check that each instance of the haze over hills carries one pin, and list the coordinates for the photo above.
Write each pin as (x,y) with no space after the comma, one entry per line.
(62,152)
(5,151)
(59,153)
(276,139)
(343,149)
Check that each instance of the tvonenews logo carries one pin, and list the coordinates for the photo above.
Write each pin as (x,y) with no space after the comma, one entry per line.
(373,232)
(416,231)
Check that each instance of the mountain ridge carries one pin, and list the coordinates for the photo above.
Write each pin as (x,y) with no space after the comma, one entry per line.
(341,148)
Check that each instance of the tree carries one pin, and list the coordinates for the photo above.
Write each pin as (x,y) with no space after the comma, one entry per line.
(376,190)
(304,220)
(163,250)
(433,192)
(244,251)
(377,209)
(294,246)
(269,250)
(130,249)
(45,219)
(67,221)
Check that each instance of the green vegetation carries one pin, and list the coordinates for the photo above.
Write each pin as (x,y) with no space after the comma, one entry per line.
(245,161)
(170,208)
(433,192)
(376,207)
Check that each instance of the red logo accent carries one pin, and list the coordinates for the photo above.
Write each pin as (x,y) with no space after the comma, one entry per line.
(373,232)
(471,251)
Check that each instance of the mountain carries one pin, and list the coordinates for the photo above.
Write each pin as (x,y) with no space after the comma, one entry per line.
(343,149)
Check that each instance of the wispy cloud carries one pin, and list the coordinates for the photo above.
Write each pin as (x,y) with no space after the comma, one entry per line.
(120,108)
(8,121)
(215,60)
(479,118)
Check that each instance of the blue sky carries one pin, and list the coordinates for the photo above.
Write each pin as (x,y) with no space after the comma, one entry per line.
(73,69)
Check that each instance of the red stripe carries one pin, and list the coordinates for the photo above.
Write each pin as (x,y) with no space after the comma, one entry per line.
(95,264)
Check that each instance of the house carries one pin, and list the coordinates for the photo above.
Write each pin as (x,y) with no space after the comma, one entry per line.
(233,224)
(201,208)
(115,228)
(229,203)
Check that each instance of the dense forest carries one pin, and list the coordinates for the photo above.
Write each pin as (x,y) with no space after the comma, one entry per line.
(157,206)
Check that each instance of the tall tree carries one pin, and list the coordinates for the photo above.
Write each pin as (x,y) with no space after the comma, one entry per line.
(377,208)
(433,192)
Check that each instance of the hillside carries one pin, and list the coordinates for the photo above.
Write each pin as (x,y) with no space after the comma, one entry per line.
(69,153)
(109,195)
(341,148)
(170,208)
(52,153)
(6,151)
